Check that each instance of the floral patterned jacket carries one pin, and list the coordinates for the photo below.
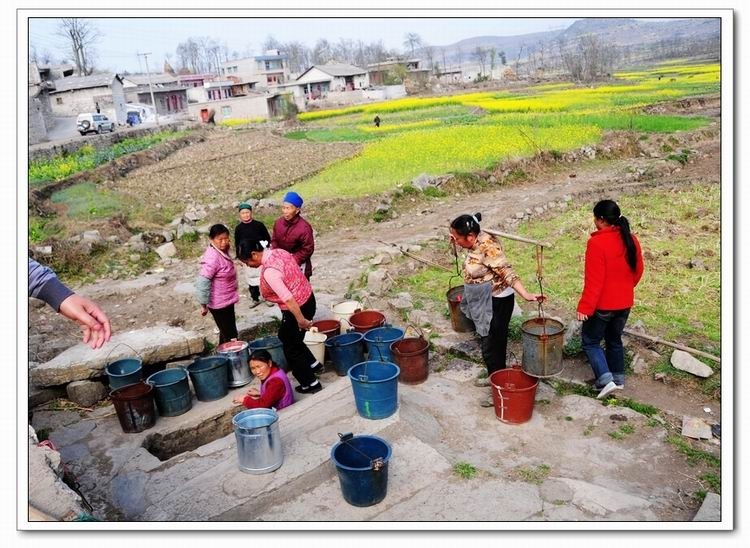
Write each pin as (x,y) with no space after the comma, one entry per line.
(485,262)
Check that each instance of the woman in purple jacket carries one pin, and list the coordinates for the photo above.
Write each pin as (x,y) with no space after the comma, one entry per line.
(294,234)
(216,285)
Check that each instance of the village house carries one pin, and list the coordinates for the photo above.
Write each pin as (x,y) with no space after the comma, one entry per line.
(76,94)
(378,72)
(39,104)
(169,95)
(318,80)
(265,71)
(252,105)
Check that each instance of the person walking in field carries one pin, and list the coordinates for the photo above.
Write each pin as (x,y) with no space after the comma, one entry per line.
(614,266)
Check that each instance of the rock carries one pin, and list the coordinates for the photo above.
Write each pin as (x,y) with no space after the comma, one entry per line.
(86,393)
(661,377)
(193,215)
(168,235)
(203,229)
(696,428)
(517,311)
(139,246)
(378,281)
(36,303)
(153,344)
(383,207)
(638,365)
(685,362)
(589,152)
(573,331)
(520,215)
(419,317)
(176,221)
(422,181)
(697,263)
(538,210)
(47,492)
(710,510)
(39,396)
(401,303)
(153,238)
(528,211)
(183,229)
(380,259)
(42,250)
(92,236)
(134,257)
(166,251)
(413,248)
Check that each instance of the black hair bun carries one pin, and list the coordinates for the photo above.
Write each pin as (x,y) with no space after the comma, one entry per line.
(478,216)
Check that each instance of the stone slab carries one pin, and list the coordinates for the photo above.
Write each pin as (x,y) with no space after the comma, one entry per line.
(710,510)
(693,427)
(685,362)
(156,344)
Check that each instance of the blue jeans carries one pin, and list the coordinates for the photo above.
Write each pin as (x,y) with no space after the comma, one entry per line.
(609,364)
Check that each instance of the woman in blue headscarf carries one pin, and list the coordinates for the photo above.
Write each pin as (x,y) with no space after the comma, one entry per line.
(294,234)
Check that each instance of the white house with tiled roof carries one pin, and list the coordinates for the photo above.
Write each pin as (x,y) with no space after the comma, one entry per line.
(76,94)
(320,79)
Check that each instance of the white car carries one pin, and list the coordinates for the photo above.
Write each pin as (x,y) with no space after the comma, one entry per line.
(89,121)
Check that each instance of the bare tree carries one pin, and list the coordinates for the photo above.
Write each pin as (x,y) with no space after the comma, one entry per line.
(429,53)
(322,52)
(270,43)
(518,58)
(43,57)
(80,36)
(479,54)
(412,40)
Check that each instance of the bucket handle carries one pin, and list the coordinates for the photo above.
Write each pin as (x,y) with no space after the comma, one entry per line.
(106,360)
(414,328)
(376,463)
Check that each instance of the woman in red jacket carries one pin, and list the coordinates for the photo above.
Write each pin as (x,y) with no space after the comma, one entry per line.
(275,389)
(614,266)
(294,234)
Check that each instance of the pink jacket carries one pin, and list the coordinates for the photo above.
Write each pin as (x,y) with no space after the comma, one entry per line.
(219,268)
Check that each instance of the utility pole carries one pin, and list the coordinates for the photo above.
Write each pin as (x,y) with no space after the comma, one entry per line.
(150,87)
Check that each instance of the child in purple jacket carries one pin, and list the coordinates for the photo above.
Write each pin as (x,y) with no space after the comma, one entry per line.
(216,285)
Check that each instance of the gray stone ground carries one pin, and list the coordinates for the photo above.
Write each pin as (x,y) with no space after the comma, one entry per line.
(562,465)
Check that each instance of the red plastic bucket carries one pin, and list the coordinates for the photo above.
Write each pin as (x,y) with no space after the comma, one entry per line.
(513,393)
(411,355)
(365,320)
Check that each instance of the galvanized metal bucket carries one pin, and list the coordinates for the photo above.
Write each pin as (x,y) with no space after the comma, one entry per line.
(258,440)
(237,354)
(542,347)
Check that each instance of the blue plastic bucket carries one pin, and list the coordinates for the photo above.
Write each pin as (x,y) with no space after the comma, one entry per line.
(274,347)
(379,342)
(375,386)
(258,440)
(171,391)
(210,377)
(124,372)
(346,350)
(361,483)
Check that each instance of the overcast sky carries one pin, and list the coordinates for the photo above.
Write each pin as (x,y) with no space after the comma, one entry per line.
(123,38)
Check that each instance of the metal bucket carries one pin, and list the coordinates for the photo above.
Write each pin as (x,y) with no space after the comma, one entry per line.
(343,312)
(459,321)
(542,347)
(210,377)
(274,347)
(258,440)
(412,357)
(134,405)
(171,391)
(237,354)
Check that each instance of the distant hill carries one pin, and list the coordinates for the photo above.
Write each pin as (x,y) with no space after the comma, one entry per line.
(630,35)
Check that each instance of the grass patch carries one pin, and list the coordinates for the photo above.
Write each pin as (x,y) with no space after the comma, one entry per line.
(465,470)
(88,201)
(694,456)
(573,347)
(87,157)
(534,474)
(622,432)
(563,388)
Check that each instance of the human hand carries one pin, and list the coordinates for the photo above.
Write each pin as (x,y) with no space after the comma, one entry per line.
(581,317)
(204,310)
(304,323)
(535,297)
(239,399)
(253,393)
(93,321)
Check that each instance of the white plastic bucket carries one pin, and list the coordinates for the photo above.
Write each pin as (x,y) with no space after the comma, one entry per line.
(343,312)
(315,341)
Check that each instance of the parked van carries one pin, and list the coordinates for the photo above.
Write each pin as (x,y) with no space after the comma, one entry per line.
(89,121)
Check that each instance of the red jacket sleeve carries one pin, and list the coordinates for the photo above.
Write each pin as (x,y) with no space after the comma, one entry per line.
(308,245)
(593,282)
(272,394)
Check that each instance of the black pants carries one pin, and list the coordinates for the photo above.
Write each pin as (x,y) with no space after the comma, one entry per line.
(495,344)
(224,318)
(298,356)
(254,292)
